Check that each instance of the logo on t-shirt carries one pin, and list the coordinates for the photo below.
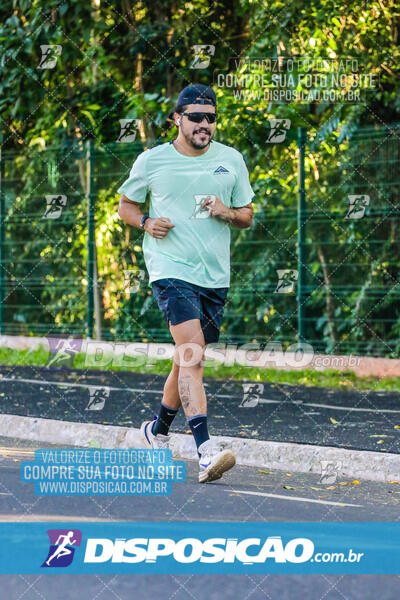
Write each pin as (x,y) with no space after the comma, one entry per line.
(220,169)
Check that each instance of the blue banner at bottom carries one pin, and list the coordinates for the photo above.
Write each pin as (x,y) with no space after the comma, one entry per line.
(193,547)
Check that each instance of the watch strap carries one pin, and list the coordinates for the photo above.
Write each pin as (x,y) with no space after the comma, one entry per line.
(143,220)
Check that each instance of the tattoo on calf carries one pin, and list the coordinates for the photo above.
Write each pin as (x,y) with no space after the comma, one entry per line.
(184,391)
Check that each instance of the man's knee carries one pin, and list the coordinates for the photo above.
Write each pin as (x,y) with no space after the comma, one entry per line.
(188,355)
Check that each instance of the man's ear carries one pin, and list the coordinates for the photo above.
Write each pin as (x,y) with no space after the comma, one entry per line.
(178,119)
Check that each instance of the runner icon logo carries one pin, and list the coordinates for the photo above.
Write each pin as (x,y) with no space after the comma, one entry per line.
(357,206)
(98,397)
(201,213)
(54,206)
(132,280)
(202,57)
(63,350)
(251,394)
(129,129)
(287,280)
(62,547)
(278,130)
(329,471)
(49,57)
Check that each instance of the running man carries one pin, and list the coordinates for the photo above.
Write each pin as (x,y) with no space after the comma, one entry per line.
(199,188)
(62,549)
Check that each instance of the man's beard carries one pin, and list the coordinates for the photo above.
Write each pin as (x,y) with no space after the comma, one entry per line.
(197,145)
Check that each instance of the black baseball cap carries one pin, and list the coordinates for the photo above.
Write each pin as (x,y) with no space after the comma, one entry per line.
(197,93)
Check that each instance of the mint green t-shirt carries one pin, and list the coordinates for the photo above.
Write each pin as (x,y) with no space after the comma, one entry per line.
(197,249)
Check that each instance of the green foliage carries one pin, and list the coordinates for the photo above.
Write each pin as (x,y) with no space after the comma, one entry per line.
(329,378)
(130,60)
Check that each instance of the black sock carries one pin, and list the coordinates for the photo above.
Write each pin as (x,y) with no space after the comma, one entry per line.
(164,420)
(198,425)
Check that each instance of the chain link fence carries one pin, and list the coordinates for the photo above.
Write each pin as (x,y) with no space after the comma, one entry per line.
(320,263)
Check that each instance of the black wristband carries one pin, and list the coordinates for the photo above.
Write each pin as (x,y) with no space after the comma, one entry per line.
(143,220)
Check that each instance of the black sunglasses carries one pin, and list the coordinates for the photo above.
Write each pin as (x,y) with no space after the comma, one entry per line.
(197,117)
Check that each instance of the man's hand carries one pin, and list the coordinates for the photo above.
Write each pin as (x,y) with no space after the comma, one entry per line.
(130,212)
(237,217)
(158,228)
(216,208)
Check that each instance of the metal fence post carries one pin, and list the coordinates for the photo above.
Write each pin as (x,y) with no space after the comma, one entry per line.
(2,246)
(301,234)
(91,236)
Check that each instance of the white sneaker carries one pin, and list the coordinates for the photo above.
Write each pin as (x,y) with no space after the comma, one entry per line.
(156,442)
(213,466)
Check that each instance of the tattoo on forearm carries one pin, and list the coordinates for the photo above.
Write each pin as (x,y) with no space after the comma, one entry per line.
(238,218)
(230,217)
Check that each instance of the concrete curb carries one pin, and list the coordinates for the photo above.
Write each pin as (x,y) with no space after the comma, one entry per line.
(302,458)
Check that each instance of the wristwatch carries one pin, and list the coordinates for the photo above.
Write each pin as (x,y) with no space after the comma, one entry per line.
(143,220)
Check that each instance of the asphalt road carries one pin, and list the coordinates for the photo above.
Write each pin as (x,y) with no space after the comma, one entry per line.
(243,494)
(361,420)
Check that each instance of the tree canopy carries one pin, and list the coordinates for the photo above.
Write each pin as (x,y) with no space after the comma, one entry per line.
(129,60)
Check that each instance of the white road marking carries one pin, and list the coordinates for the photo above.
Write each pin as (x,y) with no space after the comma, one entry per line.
(80,385)
(331,407)
(296,498)
(377,410)
(148,391)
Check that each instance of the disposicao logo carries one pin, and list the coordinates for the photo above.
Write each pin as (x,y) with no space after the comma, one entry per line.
(191,550)
(62,547)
